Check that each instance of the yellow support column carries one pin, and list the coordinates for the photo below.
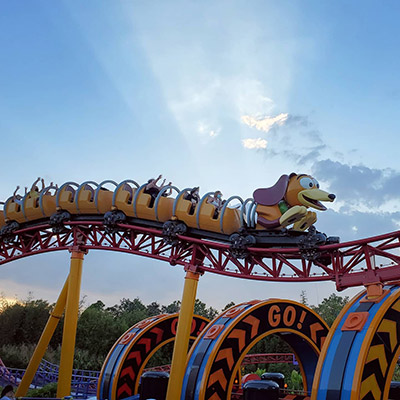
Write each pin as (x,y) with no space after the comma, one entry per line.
(182,336)
(70,323)
(44,341)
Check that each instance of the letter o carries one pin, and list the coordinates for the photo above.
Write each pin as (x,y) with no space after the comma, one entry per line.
(289,316)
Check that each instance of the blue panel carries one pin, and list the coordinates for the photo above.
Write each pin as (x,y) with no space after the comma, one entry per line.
(341,358)
(355,350)
(208,349)
(327,366)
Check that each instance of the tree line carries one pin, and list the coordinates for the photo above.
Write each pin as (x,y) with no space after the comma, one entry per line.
(22,323)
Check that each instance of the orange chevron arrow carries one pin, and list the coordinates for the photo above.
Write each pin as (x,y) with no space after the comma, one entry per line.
(128,371)
(226,353)
(146,342)
(159,332)
(388,326)
(125,388)
(254,322)
(215,396)
(239,334)
(135,355)
(218,376)
(396,306)
(377,352)
(370,385)
(314,328)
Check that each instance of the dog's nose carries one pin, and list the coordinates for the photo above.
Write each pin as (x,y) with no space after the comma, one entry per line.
(332,196)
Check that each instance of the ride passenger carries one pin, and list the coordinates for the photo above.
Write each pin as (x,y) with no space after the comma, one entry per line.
(17,198)
(153,190)
(194,197)
(7,393)
(217,202)
(34,192)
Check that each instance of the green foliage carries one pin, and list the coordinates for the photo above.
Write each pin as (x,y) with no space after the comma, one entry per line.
(396,374)
(303,298)
(296,381)
(46,391)
(200,308)
(18,355)
(98,329)
(330,307)
(22,323)
(171,308)
(229,305)
(260,371)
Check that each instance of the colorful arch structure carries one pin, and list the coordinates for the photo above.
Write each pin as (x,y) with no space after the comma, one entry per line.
(122,369)
(362,349)
(215,358)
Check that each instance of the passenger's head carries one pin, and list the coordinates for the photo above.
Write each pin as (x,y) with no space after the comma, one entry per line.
(7,391)
(218,194)
(195,189)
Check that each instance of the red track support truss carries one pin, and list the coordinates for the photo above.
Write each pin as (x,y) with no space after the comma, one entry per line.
(356,263)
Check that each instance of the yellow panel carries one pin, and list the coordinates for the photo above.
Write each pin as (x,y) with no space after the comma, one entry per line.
(104,200)
(66,201)
(123,201)
(182,212)
(207,222)
(86,202)
(142,207)
(49,204)
(14,212)
(165,208)
(231,222)
(32,209)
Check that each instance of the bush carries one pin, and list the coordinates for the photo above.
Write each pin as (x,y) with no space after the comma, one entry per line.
(47,391)
(18,356)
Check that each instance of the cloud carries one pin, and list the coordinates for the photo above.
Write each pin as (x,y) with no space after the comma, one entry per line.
(359,186)
(265,123)
(254,143)
(356,225)
(206,130)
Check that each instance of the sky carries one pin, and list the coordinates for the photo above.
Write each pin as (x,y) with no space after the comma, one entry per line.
(225,95)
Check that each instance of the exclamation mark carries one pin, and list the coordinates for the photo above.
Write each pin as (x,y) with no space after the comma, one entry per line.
(302,316)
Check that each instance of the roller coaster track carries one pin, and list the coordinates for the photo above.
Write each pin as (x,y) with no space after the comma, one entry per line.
(361,262)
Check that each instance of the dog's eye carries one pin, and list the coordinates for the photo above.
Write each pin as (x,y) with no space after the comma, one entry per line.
(316,183)
(306,183)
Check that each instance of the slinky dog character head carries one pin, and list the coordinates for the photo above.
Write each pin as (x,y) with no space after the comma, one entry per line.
(301,190)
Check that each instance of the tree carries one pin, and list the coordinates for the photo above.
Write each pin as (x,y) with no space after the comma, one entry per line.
(174,307)
(229,305)
(98,330)
(200,308)
(303,298)
(23,322)
(153,309)
(330,307)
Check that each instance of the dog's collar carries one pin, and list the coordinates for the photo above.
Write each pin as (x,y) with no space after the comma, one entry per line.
(283,206)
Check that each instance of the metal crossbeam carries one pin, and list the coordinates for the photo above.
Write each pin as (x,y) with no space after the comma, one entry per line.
(349,264)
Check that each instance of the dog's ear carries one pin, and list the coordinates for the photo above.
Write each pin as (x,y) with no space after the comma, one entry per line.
(272,195)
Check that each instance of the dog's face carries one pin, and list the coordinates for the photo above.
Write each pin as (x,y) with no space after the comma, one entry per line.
(303,190)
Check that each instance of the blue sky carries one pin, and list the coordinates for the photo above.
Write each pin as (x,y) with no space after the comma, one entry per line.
(227,95)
